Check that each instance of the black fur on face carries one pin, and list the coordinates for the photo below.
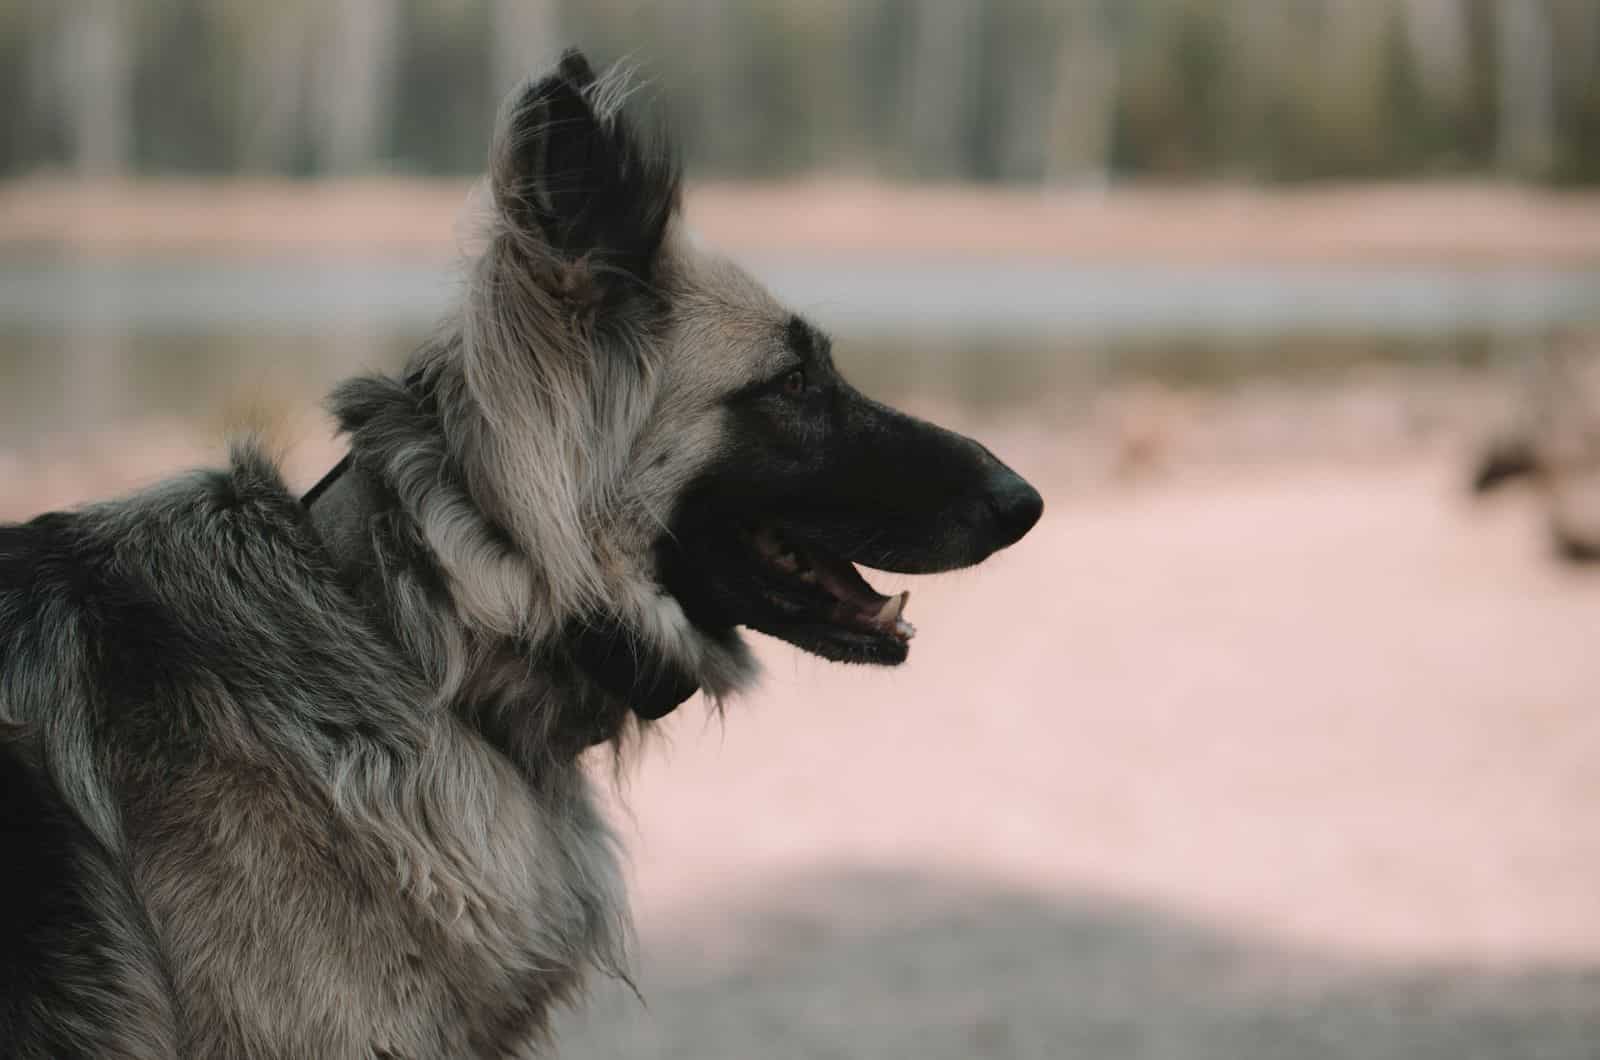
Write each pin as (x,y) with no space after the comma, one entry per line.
(813,478)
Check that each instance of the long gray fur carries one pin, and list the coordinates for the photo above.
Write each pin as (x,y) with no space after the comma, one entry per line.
(315,773)
(294,780)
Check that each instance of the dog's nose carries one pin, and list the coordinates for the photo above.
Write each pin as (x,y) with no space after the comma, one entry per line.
(1016,507)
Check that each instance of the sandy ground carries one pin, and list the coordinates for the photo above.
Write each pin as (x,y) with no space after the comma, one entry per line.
(1466,223)
(1293,759)
(1264,764)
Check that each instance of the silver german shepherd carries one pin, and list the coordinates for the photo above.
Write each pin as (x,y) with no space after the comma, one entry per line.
(300,777)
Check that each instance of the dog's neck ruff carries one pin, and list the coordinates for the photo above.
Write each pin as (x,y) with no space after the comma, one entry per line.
(344,504)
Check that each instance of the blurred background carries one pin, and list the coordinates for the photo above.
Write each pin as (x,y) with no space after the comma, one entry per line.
(1274,740)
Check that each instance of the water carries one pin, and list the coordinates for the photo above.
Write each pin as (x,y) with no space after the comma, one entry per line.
(87,341)
(899,297)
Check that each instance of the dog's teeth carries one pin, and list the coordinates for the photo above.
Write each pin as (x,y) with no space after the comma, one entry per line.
(890,611)
(904,629)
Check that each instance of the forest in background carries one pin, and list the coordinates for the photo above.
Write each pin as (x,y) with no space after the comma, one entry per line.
(1017,91)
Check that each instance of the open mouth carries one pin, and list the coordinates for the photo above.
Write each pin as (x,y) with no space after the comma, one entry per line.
(822,603)
(777,579)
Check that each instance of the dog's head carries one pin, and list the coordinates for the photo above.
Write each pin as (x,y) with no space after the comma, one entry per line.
(675,445)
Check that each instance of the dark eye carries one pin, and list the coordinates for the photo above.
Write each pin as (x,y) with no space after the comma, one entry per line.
(794,384)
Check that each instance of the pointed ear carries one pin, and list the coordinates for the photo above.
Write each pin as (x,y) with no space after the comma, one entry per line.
(571,171)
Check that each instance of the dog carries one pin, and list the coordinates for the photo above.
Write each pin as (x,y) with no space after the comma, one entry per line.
(300,777)
(1554,447)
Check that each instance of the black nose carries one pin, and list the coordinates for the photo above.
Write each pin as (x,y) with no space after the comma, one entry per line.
(1016,507)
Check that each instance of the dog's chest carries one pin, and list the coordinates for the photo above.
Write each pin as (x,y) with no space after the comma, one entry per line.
(497,902)
(443,916)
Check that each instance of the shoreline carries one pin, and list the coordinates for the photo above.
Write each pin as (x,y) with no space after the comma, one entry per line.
(430,220)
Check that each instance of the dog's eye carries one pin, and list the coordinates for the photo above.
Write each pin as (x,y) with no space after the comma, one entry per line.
(794,384)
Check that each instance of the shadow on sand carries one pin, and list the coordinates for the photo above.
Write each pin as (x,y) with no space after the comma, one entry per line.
(869,964)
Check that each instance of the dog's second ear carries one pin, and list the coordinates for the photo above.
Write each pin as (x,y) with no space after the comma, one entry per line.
(570,172)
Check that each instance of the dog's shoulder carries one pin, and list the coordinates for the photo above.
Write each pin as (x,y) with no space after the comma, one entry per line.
(110,566)
(215,579)
(244,508)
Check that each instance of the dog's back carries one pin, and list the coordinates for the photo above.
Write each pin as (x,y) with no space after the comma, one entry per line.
(85,638)
(233,826)
(126,641)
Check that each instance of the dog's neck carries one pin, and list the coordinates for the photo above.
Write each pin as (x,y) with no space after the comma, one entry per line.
(591,677)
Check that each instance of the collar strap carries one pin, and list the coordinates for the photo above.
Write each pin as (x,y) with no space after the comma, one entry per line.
(325,481)
(610,655)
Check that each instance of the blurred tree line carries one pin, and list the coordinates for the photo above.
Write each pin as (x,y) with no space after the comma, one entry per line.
(1013,90)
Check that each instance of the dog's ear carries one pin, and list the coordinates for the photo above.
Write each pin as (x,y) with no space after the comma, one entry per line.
(572,173)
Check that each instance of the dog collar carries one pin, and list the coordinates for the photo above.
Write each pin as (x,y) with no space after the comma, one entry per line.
(604,649)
